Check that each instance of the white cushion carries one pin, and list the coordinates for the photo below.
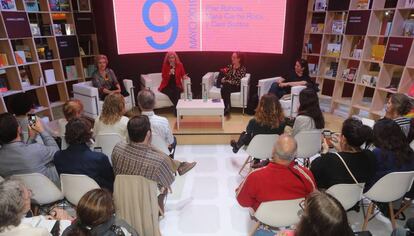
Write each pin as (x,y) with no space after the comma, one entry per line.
(214,93)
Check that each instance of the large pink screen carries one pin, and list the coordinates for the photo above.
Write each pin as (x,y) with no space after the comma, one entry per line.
(199,25)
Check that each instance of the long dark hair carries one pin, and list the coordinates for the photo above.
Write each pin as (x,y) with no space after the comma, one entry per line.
(309,106)
(304,64)
(389,137)
(356,133)
(323,215)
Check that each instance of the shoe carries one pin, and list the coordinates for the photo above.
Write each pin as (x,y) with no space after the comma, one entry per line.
(185,167)
(233,143)
(226,111)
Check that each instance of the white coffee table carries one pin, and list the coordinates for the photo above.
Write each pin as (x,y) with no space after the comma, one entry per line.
(197,107)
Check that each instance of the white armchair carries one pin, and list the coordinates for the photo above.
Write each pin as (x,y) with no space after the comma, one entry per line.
(153,81)
(290,104)
(238,99)
(89,96)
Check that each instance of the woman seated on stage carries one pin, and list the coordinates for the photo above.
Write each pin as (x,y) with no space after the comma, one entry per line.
(173,74)
(297,78)
(105,79)
(269,119)
(309,113)
(230,79)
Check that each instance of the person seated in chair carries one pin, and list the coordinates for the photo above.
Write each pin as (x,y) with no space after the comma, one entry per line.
(300,76)
(72,109)
(18,157)
(398,105)
(159,125)
(138,158)
(282,179)
(79,159)
(230,79)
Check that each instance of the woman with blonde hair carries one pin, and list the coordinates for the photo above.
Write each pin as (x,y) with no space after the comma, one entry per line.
(104,78)
(112,119)
(173,74)
(96,216)
(269,119)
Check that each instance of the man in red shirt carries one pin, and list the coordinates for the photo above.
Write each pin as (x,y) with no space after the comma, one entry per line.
(282,179)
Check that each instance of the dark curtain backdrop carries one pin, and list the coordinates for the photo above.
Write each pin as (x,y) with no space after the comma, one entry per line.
(198,63)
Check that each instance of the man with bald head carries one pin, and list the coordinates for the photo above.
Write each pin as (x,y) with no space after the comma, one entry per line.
(282,179)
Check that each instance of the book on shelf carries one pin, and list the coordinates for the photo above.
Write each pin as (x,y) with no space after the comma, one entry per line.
(32,5)
(369,80)
(46,30)
(71,72)
(378,52)
(24,77)
(363,4)
(49,76)
(388,28)
(44,53)
(408,29)
(89,70)
(308,48)
(409,4)
(57,29)
(27,52)
(338,26)
(332,70)
(317,27)
(8,5)
(34,27)
(357,53)
(349,74)
(59,5)
(81,51)
(20,57)
(313,69)
(334,49)
(320,5)
(3,60)
(84,5)
(69,29)
(4,84)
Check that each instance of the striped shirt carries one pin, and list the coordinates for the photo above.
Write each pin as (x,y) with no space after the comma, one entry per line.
(140,159)
(404,123)
(160,126)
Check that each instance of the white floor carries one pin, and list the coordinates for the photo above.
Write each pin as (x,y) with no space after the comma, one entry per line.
(203,201)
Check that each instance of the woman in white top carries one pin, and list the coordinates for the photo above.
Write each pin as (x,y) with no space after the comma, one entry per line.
(309,115)
(112,119)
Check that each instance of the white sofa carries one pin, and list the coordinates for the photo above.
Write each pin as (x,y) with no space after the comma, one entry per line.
(153,80)
(89,96)
(238,99)
(291,104)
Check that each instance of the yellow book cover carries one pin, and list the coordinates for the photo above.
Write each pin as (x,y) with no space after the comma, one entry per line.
(378,52)
(3,60)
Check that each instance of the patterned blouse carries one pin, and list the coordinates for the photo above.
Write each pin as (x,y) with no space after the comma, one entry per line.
(234,76)
(100,82)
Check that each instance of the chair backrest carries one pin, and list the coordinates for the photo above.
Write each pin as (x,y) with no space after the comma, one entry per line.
(295,91)
(159,143)
(391,187)
(261,146)
(244,89)
(136,202)
(309,143)
(107,142)
(281,213)
(347,194)
(154,78)
(44,190)
(75,186)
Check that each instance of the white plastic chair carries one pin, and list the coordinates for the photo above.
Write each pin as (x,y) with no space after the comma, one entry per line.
(159,143)
(389,188)
(75,186)
(347,194)
(43,189)
(260,147)
(280,213)
(107,142)
(309,144)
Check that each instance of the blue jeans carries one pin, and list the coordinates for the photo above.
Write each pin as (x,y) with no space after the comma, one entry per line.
(279,91)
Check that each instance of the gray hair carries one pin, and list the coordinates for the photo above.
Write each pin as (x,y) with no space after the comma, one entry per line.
(285,148)
(146,99)
(12,203)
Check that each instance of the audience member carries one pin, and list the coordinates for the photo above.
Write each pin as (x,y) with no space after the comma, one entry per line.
(96,216)
(282,179)
(230,79)
(309,114)
(269,119)
(18,157)
(392,151)
(331,168)
(104,78)
(78,158)
(322,215)
(112,119)
(397,107)
(159,125)
(138,157)
(72,108)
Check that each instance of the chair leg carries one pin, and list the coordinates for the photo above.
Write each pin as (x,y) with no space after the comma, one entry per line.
(256,226)
(367,216)
(392,217)
(405,205)
(245,163)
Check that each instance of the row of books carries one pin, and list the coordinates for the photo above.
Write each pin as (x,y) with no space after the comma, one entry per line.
(58,29)
(55,5)
(10,5)
(322,5)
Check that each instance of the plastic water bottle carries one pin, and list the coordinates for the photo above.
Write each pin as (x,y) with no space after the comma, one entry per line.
(190,96)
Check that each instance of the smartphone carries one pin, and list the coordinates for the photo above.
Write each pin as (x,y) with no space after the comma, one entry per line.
(97,149)
(327,134)
(32,119)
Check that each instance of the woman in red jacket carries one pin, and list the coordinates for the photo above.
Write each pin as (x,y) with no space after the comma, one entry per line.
(173,74)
